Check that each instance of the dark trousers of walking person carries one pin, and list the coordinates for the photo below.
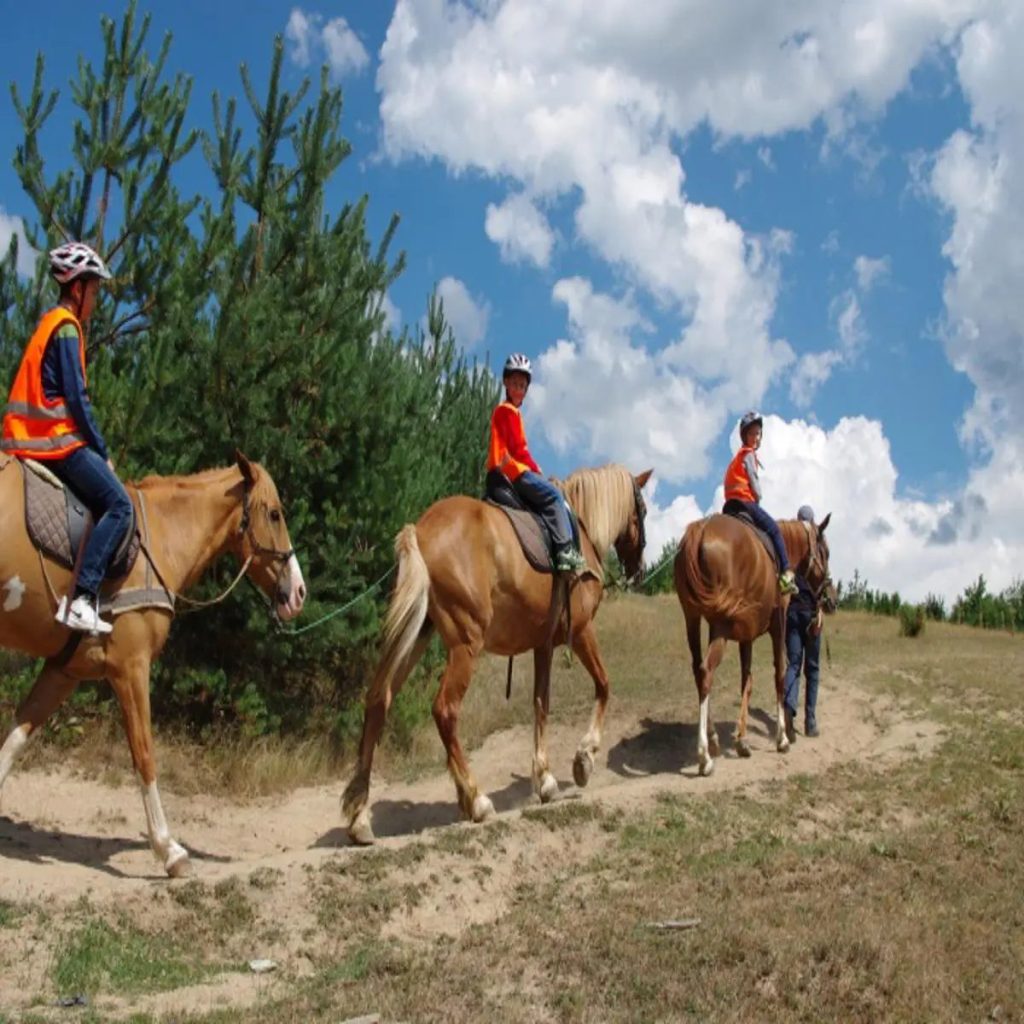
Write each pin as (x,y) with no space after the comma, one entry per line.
(803,650)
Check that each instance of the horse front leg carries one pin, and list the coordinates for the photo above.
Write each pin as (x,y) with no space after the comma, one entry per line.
(51,688)
(746,688)
(585,645)
(778,633)
(545,785)
(455,682)
(130,682)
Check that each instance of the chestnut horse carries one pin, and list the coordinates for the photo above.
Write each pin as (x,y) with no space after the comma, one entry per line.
(461,571)
(724,574)
(192,521)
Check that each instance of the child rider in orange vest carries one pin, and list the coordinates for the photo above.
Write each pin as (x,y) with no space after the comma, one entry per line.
(743,486)
(509,454)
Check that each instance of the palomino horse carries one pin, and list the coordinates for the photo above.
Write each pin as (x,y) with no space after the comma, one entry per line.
(192,521)
(462,572)
(724,574)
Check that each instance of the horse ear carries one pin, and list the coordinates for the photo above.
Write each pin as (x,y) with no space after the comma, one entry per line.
(248,473)
(823,524)
(642,478)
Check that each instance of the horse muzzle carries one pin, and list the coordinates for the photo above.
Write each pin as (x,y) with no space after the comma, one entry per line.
(290,595)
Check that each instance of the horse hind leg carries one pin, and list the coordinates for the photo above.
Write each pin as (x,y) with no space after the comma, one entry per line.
(356,798)
(746,688)
(704,676)
(51,688)
(545,785)
(455,682)
(585,646)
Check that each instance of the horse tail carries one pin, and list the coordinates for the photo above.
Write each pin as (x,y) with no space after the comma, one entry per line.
(407,612)
(713,602)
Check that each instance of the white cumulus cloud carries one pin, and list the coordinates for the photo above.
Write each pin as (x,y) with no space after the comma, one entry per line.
(11,227)
(467,316)
(310,38)
(520,230)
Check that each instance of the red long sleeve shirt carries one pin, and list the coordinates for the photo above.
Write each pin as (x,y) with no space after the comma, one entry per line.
(508,450)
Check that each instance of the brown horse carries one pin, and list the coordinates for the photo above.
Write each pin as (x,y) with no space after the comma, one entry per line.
(192,521)
(724,574)
(462,572)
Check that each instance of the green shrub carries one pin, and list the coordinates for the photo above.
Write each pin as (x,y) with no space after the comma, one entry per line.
(911,619)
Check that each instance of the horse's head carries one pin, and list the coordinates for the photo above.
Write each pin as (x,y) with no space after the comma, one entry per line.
(629,545)
(817,573)
(263,542)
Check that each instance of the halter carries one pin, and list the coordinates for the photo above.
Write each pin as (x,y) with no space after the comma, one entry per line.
(246,530)
(641,516)
(815,559)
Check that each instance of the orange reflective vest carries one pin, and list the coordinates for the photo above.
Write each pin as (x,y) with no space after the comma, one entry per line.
(35,426)
(737,483)
(508,451)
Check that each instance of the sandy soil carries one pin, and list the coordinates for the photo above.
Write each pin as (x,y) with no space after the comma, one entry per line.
(63,837)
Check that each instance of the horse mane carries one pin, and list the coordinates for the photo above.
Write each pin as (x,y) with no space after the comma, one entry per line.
(603,498)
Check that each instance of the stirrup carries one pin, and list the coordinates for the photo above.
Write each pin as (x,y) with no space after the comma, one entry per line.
(569,560)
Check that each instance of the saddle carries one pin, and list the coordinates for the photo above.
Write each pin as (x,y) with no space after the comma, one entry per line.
(735,509)
(57,521)
(534,536)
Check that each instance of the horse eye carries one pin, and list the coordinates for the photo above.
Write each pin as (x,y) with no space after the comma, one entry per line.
(275,515)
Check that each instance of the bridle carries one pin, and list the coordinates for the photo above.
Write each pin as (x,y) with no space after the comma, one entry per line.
(246,530)
(816,561)
(641,517)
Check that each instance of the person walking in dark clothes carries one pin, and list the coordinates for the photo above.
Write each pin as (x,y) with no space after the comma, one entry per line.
(803,650)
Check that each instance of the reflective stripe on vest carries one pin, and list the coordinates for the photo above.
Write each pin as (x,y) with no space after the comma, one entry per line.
(34,425)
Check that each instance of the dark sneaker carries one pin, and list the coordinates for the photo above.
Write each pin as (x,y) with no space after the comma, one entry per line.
(569,560)
(787,585)
(811,730)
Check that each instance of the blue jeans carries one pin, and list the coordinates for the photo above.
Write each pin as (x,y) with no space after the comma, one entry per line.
(768,524)
(802,647)
(543,497)
(86,472)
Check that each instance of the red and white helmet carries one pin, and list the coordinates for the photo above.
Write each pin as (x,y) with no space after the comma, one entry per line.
(76,259)
(518,363)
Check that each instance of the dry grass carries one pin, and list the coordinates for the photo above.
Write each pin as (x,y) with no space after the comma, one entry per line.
(885,892)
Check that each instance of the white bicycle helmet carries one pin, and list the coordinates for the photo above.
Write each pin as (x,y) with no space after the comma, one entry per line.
(76,259)
(749,420)
(517,362)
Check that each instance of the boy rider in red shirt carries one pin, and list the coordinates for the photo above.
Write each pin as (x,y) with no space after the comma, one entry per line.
(509,454)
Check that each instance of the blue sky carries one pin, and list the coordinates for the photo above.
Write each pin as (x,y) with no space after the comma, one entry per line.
(681,211)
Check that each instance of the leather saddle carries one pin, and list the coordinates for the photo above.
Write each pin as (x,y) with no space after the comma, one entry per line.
(534,536)
(735,509)
(57,521)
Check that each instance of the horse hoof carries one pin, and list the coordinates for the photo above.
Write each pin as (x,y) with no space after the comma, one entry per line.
(482,808)
(582,767)
(361,834)
(743,748)
(707,767)
(548,788)
(178,864)
(783,746)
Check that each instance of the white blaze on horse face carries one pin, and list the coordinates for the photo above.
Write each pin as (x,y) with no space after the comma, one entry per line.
(296,591)
(15,591)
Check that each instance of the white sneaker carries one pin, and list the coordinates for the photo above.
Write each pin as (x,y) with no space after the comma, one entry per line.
(81,616)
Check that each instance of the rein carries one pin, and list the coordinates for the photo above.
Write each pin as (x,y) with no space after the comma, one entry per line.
(245,528)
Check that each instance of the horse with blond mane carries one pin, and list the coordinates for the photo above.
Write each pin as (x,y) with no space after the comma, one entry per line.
(191,521)
(462,572)
(725,575)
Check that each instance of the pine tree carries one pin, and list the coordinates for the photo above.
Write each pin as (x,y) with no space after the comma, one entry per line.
(250,317)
